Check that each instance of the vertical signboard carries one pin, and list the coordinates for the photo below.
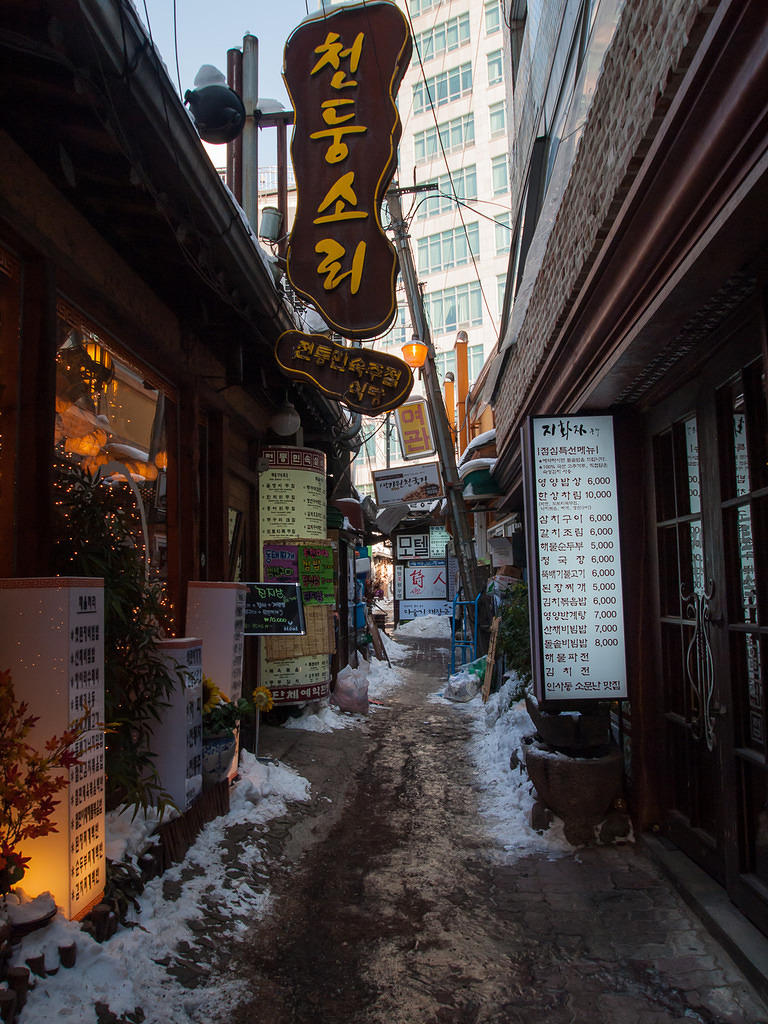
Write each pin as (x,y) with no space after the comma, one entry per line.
(414,429)
(342,67)
(178,733)
(292,508)
(216,614)
(53,642)
(574,558)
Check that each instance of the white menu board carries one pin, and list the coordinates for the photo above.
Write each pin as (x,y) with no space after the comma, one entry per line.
(178,733)
(577,563)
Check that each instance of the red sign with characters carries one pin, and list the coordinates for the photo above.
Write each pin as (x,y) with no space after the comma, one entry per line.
(342,69)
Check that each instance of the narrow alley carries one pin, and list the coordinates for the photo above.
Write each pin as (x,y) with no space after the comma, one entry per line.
(402,910)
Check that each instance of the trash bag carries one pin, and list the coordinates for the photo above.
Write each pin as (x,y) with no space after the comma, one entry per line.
(461,687)
(351,690)
(476,667)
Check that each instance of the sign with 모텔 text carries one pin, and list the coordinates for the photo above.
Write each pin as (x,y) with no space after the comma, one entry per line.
(407,483)
(575,561)
(274,609)
(342,68)
(367,381)
(414,429)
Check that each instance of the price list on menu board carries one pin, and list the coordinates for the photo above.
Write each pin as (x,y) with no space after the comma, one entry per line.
(572,492)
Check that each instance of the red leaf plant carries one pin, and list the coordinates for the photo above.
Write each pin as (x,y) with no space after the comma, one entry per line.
(29,780)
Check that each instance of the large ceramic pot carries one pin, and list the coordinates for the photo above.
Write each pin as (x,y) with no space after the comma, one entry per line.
(572,731)
(579,789)
(219,755)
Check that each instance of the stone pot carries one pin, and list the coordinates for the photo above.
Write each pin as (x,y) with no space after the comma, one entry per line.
(577,789)
(572,731)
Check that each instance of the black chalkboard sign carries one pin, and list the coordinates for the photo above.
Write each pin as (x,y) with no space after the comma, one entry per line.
(274,609)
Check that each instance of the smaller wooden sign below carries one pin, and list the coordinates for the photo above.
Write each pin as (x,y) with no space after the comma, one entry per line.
(367,381)
(274,609)
(490,660)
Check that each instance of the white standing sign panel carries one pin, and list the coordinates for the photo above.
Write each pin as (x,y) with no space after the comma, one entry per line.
(577,559)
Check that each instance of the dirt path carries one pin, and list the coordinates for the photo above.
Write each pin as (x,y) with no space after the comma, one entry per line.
(399,912)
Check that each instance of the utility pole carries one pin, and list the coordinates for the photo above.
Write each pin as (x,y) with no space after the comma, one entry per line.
(465,550)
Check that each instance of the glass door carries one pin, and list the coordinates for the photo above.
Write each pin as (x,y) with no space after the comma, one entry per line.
(689,684)
(744,511)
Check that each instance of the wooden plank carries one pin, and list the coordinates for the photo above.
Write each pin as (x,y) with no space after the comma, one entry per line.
(378,644)
(491,658)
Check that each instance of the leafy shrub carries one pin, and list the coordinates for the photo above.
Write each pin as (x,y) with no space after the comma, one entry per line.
(514,639)
(95,536)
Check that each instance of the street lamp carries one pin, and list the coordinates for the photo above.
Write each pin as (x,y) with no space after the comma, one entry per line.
(415,353)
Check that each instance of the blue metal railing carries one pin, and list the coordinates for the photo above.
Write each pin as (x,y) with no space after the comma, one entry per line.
(464,630)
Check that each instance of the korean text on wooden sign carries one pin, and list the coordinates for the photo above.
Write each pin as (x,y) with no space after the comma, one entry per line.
(342,68)
(571,487)
(367,381)
(415,429)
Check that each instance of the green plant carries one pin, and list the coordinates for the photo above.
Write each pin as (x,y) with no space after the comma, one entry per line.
(96,536)
(124,885)
(514,639)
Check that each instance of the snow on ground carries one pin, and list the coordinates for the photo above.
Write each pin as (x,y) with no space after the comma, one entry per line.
(124,972)
(127,971)
(505,799)
(426,626)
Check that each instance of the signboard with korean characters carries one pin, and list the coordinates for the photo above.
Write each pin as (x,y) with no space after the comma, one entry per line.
(292,510)
(52,641)
(408,483)
(425,580)
(414,429)
(367,381)
(178,733)
(342,68)
(574,558)
(216,614)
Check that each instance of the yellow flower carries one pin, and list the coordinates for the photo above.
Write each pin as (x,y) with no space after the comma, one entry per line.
(262,698)
(212,695)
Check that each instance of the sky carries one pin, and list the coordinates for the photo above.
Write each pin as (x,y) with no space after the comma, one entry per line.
(206,29)
(127,972)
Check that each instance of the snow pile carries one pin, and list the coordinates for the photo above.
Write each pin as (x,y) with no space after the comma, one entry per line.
(505,799)
(325,718)
(426,626)
(397,652)
(127,972)
(128,833)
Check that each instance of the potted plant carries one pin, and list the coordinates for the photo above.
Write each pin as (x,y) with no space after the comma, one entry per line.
(222,719)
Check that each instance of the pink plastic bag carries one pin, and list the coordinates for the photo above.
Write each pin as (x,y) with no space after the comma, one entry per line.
(351,690)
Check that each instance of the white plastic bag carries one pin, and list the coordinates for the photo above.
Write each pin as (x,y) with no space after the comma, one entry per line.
(462,686)
(351,690)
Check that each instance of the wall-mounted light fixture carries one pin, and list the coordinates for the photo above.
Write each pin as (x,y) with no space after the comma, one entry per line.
(286,420)
(415,353)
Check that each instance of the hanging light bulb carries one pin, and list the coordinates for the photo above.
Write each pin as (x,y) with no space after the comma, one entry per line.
(415,353)
(286,420)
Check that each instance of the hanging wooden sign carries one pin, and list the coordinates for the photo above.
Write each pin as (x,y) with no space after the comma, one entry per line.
(367,381)
(344,153)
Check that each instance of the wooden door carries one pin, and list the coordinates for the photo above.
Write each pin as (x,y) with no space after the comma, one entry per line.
(710,518)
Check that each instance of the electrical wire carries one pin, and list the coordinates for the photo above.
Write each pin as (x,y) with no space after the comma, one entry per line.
(433,111)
